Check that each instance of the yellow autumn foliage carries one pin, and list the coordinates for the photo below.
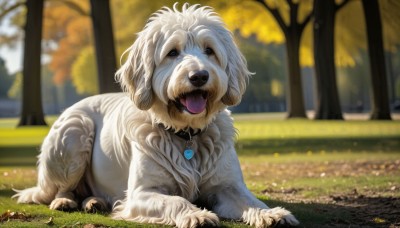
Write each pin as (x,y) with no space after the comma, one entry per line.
(250,19)
(84,72)
(68,32)
(15,91)
(277,89)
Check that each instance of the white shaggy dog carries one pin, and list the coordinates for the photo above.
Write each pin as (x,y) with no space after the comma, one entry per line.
(148,157)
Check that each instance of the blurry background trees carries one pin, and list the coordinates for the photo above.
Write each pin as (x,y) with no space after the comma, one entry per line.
(261,29)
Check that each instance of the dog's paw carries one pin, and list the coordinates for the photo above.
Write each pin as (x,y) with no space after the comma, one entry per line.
(282,216)
(94,205)
(201,218)
(270,217)
(63,204)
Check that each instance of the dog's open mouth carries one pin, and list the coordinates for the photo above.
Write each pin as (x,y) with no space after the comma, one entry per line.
(194,102)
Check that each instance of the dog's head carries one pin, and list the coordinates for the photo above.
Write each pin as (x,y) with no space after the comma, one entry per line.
(184,67)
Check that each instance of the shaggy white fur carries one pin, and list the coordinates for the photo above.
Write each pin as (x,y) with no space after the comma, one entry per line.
(125,153)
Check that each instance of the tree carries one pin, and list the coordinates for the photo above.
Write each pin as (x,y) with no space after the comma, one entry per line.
(104,42)
(380,98)
(349,40)
(5,79)
(67,33)
(71,30)
(32,110)
(328,104)
(292,32)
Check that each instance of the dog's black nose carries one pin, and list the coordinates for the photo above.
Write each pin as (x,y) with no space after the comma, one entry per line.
(199,78)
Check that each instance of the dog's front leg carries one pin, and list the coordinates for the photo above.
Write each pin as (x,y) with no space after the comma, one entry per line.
(151,197)
(238,203)
(152,206)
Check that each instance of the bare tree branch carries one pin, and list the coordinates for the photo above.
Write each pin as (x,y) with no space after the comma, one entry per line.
(10,8)
(74,7)
(275,13)
(340,5)
(306,20)
(290,3)
(10,40)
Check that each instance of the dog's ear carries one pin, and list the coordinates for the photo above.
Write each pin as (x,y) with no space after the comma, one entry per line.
(135,74)
(237,72)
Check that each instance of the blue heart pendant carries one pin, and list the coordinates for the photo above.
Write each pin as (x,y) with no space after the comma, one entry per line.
(188,153)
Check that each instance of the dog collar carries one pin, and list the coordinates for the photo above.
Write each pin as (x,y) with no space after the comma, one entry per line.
(187,135)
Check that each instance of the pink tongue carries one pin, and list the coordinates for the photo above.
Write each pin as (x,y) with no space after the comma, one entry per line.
(195,103)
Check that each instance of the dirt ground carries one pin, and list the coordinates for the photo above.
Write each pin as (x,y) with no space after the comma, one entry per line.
(365,207)
(366,210)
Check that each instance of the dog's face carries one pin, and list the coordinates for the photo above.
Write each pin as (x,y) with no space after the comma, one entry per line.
(184,67)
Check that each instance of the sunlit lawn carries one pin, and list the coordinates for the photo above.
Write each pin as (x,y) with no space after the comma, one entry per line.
(273,155)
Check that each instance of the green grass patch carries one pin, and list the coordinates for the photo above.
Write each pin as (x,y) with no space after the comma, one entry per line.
(317,137)
(23,136)
(257,136)
(13,136)
(249,129)
(40,215)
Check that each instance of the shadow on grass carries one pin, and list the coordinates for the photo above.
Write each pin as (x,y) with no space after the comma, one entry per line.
(6,192)
(348,211)
(26,156)
(18,156)
(301,145)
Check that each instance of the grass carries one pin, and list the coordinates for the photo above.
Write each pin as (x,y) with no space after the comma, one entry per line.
(319,129)
(12,136)
(316,159)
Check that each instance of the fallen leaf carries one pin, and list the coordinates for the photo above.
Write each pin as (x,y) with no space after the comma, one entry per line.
(50,222)
(14,215)
(379,220)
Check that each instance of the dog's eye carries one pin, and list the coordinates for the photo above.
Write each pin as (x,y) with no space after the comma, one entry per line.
(209,51)
(173,53)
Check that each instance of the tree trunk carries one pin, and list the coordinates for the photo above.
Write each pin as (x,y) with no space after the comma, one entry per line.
(328,104)
(104,42)
(380,98)
(295,100)
(292,32)
(32,110)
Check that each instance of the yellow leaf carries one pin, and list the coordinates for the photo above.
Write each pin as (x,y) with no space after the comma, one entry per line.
(84,72)
(379,220)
